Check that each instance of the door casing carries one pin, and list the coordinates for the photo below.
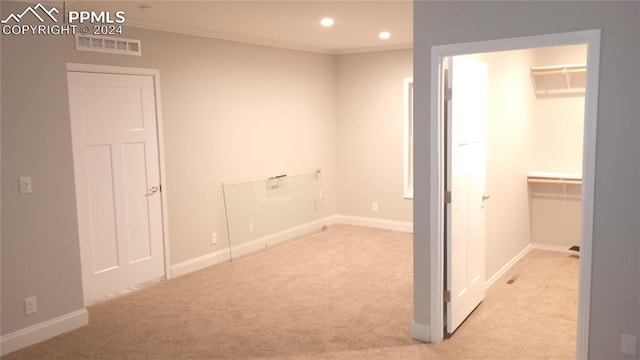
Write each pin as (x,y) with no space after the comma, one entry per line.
(437,161)
(155,74)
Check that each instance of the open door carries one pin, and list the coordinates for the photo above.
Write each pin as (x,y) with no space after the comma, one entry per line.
(467,82)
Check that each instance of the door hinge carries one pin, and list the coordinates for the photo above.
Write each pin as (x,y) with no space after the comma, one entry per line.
(448,94)
(160,187)
(446,296)
(447,197)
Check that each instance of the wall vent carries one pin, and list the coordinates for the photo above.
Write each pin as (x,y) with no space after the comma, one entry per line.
(108,44)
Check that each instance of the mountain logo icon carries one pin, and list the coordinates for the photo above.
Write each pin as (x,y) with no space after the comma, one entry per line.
(39,11)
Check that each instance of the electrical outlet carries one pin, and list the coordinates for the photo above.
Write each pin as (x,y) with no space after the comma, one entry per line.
(30,305)
(214,238)
(374,207)
(25,184)
(251,227)
(628,344)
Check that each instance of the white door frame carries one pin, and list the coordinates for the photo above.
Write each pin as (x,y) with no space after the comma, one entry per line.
(592,39)
(104,69)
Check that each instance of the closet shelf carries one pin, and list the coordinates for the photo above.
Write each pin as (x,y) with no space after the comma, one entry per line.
(559,79)
(554,178)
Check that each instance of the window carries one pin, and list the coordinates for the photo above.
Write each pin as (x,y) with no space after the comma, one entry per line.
(408,138)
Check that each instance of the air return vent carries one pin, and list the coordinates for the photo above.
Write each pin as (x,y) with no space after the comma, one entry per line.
(108,44)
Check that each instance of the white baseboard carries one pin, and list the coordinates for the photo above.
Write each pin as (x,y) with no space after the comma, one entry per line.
(278,238)
(555,248)
(421,332)
(507,266)
(43,331)
(373,223)
(223,255)
(200,262)
(521,254)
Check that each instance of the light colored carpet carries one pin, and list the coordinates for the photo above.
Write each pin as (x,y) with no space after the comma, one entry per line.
(345,293)
(532,318)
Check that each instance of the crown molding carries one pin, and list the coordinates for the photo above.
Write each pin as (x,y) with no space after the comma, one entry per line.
(229,37)
(268,43)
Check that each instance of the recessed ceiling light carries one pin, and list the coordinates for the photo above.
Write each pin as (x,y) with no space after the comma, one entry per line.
(384,35)
(326,22)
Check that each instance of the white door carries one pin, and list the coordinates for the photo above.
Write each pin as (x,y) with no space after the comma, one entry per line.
(466,172)
(117,175)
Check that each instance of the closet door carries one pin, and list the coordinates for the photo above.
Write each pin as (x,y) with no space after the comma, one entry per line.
(466,172)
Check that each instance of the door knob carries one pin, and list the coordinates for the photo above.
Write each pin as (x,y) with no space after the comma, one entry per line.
(485,197)
(153,190)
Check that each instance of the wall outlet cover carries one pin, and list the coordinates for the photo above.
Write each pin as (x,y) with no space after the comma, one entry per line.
(30,305)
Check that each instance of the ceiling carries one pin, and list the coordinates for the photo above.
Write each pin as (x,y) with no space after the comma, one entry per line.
(286,24)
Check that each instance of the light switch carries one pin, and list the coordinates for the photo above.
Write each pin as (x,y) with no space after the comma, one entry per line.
(25,184)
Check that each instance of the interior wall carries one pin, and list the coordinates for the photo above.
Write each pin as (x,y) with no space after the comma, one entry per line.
(558,130)
(614,305)
(231,112)
(370,108)
(559,121)
(40,252)
(236,112)
(509,147)
(525,134)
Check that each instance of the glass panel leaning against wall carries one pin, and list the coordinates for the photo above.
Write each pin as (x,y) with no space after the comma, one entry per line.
(269,211)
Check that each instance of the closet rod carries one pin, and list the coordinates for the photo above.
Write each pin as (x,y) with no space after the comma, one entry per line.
(559,71)
(554,181)
(554,178)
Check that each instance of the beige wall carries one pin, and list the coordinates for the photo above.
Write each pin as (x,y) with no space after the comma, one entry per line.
(40,253)
(235,112)
(615,295)
(555,215)
(231,112)
(509,140)
(526,134)
(370,134)
(558,129)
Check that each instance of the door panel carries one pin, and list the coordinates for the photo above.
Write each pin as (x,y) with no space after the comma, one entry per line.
(135,178)
(122,111)
(101,209)
(116,163)
(467,117)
